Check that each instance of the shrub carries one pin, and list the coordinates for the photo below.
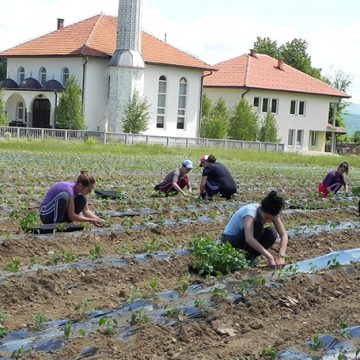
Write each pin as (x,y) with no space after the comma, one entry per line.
(212,257)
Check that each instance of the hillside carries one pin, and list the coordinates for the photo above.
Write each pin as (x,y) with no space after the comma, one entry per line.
(352,122)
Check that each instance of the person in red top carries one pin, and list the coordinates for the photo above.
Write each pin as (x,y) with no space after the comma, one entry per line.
(334,180)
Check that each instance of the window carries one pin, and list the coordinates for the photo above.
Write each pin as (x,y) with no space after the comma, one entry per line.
(293,107)
(42,76)
(265,105)
(160,120)
(302,108)
(20,111)
(256,102)
(181,104)
(65,75)
(274,105)
(314,138)
(21,74)
(291,137)
(299,137)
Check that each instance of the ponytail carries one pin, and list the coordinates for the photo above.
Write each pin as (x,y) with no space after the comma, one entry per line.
(272,204)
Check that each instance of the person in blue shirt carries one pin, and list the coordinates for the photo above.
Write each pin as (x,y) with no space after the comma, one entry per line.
(245,230)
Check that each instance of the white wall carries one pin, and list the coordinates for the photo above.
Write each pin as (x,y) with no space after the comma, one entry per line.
(173,76)
(53,67)
(315,118)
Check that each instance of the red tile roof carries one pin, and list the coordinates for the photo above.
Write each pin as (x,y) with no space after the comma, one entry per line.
(262,72)
(96,36)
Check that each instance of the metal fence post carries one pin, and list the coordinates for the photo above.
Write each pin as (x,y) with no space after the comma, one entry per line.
(18,133)
(167,141)
(66,135)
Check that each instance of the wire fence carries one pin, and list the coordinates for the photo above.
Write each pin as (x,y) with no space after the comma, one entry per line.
(11,132)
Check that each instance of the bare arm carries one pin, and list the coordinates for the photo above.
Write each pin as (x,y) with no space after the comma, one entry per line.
(283,240)
(203,184)
(251,241)
(81,218)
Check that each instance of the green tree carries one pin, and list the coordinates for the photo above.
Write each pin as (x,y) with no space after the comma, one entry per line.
(136,115)
(267,46)
(268,130)
(3,116)
(341,81)
(216,123)
(2,69)
(294,53)
(206,106)
(69,112)
(243,124)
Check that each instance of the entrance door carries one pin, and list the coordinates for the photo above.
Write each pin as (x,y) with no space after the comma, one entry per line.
(41,113)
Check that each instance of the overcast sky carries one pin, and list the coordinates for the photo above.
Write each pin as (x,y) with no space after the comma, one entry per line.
(213,30)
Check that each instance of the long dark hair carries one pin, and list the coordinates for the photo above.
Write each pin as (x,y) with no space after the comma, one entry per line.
(272,204)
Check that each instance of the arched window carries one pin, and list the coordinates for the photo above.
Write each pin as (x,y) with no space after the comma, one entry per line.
(20,111)
(160,119)
(42,76)
(182,104)
(21,74)
(65,75)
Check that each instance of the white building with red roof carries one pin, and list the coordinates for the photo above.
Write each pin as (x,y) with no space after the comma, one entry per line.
(38,69)
(299,102)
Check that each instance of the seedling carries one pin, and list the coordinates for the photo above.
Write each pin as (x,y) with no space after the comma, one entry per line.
(218,294)
(18,353)
(29,222)
(4,317)
(39,319)
(67,330)
(333,263)
(268,353)
(139,317)
(126,249)
(343,325)
(14,265)
(175,314)
(110,325)
(316,343)
(56,258)
(96,252)
(82,307)
(184,282)
(82,333)
(133,294)
(3,332)
(152,246)
(200,304)
(68,256)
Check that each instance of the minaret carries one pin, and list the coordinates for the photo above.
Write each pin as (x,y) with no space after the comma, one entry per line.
(126,65)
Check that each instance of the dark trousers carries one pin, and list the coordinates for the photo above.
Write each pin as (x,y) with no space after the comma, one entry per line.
(168,188)
(212,188)
(266,237)
(56,210)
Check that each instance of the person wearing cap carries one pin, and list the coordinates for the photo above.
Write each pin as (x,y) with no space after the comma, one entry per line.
(177,180)
(215,179)
(334,180)
(245,230)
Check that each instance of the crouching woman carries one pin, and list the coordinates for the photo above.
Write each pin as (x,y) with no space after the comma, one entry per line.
(66,202)
(245,230)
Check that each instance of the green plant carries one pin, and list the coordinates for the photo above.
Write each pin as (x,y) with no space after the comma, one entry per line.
(29,222)
(216,258)
(176,314)
(82,307)
(4,317)
(39,319)
(110,325)
(68,256)
(316,343)
(133,294)
(343,325)
(18,353)
(82,332)
(184,282)
(152,246)
(126,249)
(96,252)
(139,317)
(67,330)
(268,353)
(333,263)
(218,294)
(14,265)
(153,285)
(3,332)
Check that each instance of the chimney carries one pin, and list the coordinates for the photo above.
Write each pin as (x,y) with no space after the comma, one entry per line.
(281,64)
(252,52)
(60,23)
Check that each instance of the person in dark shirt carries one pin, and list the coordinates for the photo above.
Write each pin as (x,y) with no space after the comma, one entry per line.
(215,179)
(334,180)
(176,180)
